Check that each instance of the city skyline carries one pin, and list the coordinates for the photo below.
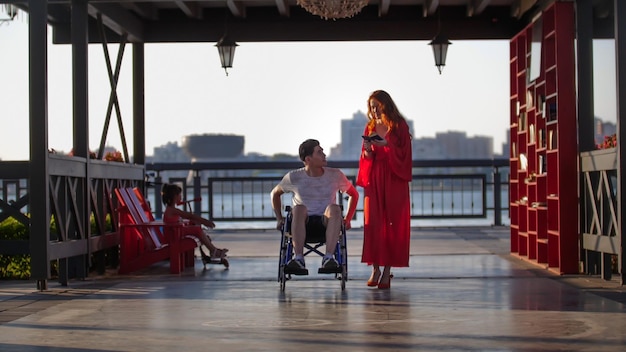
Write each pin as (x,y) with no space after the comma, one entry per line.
(351,128)
(445,144)
(331,151)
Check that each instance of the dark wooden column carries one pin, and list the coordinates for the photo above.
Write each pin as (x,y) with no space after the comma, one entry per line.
(39,204)
(80,78)
(620,50)
(77,266)
(139,114)
(584,71)
(584,36)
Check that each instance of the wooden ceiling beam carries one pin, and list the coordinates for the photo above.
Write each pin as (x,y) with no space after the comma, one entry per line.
(144,10)
(383,8)
(237,8)
(190,8)
(266,24)
(476,7)
(430,7)
(520,7)
(119,20)
(353,30)
(283,7)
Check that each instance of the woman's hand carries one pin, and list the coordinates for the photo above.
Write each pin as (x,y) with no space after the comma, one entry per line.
(380,143)
(210,224)
(347,223)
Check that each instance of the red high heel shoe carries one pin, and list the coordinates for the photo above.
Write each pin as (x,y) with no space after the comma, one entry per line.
(373,283)
(385,286)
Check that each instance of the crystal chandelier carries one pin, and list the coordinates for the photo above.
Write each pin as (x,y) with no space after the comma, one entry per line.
(333,9)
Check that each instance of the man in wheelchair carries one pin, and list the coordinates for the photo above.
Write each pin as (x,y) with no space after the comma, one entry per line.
(314,187)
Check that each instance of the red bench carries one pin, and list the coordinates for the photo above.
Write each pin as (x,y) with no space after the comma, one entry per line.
(144,241)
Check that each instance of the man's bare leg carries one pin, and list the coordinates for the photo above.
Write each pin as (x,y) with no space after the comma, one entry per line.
(333,227)
(298,229)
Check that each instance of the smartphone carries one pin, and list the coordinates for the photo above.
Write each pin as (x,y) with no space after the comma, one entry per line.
(373,137)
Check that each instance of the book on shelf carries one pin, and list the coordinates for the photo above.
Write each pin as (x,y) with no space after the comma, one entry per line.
(531,134)
(541,164)
(529,98)
(541,138)
(523,161)
(551,111)
(521,124)
(552,142)
(513,150)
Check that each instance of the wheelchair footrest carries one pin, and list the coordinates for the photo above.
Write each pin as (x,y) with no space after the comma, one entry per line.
(293,271)
(336,270)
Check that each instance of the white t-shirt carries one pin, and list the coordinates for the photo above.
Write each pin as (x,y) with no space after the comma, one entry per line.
(316,193)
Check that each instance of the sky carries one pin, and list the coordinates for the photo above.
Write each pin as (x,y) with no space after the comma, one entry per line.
(276,94)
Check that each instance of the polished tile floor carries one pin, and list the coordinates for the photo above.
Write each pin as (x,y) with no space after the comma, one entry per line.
(462,292)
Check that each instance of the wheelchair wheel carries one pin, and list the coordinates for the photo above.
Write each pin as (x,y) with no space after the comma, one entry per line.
(283,280)
(344,253)
(282,260)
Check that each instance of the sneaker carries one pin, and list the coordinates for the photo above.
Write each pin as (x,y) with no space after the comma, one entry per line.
(329,264)
(296,267)
(296,264)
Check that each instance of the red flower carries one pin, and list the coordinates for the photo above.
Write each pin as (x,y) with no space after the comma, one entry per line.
(114,156)
(608,142)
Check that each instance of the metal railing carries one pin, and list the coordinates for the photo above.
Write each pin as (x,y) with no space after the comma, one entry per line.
(82,205)
(233,191)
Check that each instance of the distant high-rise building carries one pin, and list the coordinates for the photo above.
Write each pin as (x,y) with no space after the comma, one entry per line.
(349,148)
(603,129)
(427,148)
(214,147)
(351,131)
(506,147)
(203,148)
(456,145)
(170,153)
(452,145)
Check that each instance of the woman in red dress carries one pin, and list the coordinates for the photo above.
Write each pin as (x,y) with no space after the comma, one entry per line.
(385,170)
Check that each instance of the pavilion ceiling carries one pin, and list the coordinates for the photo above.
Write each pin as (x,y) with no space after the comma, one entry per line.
(153,21)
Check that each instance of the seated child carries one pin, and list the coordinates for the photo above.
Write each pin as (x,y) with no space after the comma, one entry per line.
(171,195)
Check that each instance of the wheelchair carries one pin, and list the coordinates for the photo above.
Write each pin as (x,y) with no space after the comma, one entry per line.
(315,238)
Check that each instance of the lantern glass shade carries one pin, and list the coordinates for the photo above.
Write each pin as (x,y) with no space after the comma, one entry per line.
(440,50)
(226,49)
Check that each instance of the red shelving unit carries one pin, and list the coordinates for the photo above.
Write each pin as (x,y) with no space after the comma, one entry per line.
(544,182)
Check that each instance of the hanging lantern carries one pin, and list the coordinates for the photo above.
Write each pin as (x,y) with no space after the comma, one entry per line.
(440,50)
(226,49)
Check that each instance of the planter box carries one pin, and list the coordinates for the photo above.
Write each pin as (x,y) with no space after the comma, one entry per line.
(598,160)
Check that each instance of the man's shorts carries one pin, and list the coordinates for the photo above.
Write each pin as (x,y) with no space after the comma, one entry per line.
(315,229)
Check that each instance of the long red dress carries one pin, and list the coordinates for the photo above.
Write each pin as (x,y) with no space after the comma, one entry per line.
(386,206)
